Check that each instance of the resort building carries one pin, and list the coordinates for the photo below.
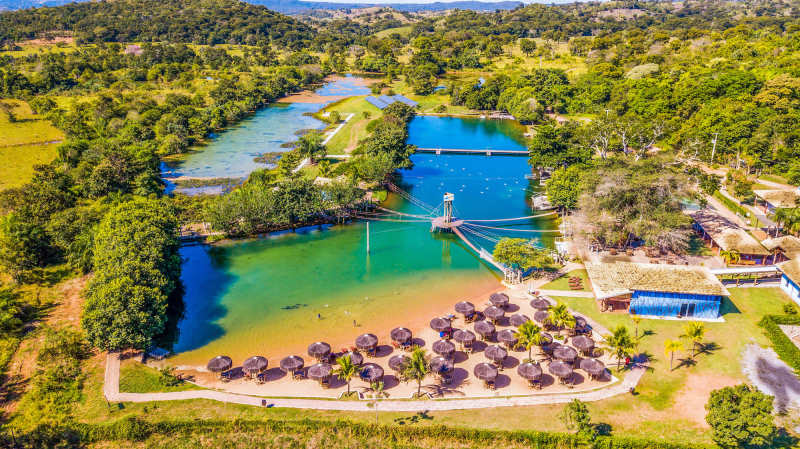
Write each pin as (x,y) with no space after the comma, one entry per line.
(384,101)
(724,235)
(769,200)
(674,291)
(790,279)
(783,248)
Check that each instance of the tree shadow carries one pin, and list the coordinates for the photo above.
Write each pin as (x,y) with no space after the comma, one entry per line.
(708,348)
(414,419)
(686,362)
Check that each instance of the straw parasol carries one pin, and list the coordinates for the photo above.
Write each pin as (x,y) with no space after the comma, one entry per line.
(319,349)
(356,358)
(507,337)
(398,362)
(580,322)
(565,353)
(255,365)
(560,369)
(484,328)
(583,343)
(529,371)
(366,342)
(320,371)
(495,353)
(220,363)
(440,324)
(441,365)
(465,308)
(463,336)
(518,319)
(485,372)
(540,304)
(371,372)
(540,316)
(546,338)
(499,299)
(494,313)
(443,347)
(594,367)
(400,335)
(292,363)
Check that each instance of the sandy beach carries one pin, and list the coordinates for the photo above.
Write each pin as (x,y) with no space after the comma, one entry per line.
(463,383)
(310,96)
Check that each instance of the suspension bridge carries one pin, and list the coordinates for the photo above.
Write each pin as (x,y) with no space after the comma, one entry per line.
(486,151)
(443,218)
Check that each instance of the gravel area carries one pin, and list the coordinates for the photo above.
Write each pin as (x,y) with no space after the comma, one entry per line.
(772,376)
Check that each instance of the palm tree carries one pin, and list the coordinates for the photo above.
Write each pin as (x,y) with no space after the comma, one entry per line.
(730,256)
(636,320)
(417,368)
(620,343)
(670,346)
(345,370)
(695,332)
(529,335)
(560,317)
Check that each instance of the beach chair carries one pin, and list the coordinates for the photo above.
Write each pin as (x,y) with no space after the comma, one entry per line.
(298,375)
(491,385)
(325,382)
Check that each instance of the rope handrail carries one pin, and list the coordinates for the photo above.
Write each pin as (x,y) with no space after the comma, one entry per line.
(512,219)
(515,230)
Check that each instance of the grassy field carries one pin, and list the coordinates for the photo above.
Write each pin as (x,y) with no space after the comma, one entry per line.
(562,283)
(403,31)
(16,163)
(22,144)
(134,377)
(355,129)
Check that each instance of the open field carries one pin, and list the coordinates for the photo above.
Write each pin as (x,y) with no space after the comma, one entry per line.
(403,31)
(138,378)
(355,129)
(16,163)
(562,283)
(23,143)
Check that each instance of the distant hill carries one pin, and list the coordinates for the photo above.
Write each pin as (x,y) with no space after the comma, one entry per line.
(189,21)
(300,7)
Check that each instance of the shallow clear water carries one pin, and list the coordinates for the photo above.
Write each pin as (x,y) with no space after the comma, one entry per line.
(275,295)
(466,133)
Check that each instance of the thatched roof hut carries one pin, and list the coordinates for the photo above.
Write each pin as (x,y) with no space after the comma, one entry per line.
(726,234)
(594,367)
(494,313)
(292,363)
(507,337)
(366,342)
(623,278)
(484,328)
(464,336)
(398,362)
(779,198)
(565,353)
(441,365)
(319,349)
(371,372)
(540,304)
(560,369)
(583,343)
(495,353)
(788,245)
(443,347)
(400,335)
(320,371)
(220,363)
(255,365)
(465,308)
(440,324)
(540,316)
(485,371)
(529,371)
(499,299)
(518,319)
(356,358)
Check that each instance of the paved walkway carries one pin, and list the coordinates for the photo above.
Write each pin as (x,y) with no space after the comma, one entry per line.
(569,293)
(333,133)
(112,394)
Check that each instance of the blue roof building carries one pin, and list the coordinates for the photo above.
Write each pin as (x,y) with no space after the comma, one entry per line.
(384,101)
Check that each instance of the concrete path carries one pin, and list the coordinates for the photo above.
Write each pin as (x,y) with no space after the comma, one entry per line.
(569,293)
(112,394)
(333,133)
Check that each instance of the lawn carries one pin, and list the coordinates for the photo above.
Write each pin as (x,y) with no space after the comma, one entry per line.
(134,377)
(355,129)
(28,127)
(562,283)
(16,163)
(403,31)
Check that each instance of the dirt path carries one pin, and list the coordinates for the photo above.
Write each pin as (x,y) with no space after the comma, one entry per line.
(690,402)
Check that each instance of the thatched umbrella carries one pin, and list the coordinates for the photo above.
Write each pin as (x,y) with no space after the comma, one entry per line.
(254,365)
(485,372)
(400,335)
(507,337)
(540,304)
(518,319)
(546,338)
(319,349)
(580,322)
(529,371)
(499,299)
(440,324)
(495,353)
(465,308)
(441,365)
(356,358)
(366,342)
(583,343)
(560,369)
(594,367)
(565,353)
(292,363)
(464,337)
(320,371)
(494,313)
(371,372)
(484,328)
(444,348)
(398,362)
(540,316)
(219,364)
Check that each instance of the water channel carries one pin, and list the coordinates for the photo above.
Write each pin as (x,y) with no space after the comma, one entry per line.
(275,294)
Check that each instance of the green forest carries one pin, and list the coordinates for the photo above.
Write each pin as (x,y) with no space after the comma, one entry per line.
(631,106)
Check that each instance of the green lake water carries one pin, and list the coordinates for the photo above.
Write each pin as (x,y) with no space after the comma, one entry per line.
(276,294)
